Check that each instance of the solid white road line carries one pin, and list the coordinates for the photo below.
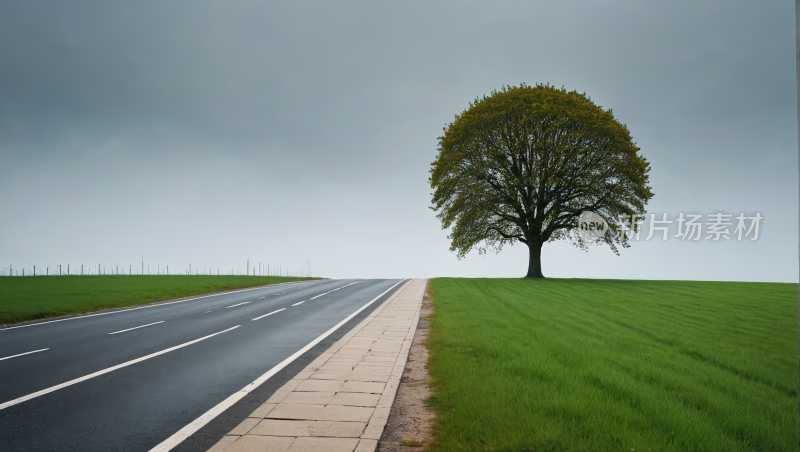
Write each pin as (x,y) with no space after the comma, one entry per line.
(233,306)
(144,307)
(273,312)
(104,371)
(298,303)
(26,353)
(136,328)
(209,415)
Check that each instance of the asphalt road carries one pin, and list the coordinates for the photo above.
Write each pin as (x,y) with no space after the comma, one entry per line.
(204,351)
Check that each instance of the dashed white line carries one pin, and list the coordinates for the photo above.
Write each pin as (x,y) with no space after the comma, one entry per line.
(298,303)
(26,353)
(259,298)
(234,305)
(273,312)
(141,307)
(136,327)
(104,371)
(326,293)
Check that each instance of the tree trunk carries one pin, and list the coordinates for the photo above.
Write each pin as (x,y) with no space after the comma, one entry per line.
(535,261)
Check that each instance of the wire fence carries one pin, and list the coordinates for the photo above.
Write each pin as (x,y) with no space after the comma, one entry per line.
(257,269)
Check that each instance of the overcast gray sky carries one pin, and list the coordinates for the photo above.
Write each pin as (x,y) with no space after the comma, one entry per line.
(211,132)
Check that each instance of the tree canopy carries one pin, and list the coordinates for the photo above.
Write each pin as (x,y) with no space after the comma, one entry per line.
(522,165)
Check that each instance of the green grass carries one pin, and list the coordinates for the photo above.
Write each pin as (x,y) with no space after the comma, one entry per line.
(613,365)
(40,297)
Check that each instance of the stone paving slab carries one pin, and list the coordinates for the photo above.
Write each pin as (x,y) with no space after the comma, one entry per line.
(281,427)
(342,400)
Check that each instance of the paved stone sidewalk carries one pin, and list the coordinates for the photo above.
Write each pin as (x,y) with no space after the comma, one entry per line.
(342,400)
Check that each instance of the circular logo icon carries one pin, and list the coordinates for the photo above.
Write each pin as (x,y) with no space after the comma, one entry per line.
(591,226)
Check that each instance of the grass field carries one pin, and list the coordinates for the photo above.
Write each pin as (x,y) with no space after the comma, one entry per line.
(39,297)
(613,365)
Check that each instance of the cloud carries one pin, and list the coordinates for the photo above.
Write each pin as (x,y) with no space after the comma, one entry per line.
(315,122)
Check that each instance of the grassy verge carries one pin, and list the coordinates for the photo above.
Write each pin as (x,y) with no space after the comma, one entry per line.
(613,365)
(41,297)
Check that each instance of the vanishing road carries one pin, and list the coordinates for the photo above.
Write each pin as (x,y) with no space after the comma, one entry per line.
(129,380)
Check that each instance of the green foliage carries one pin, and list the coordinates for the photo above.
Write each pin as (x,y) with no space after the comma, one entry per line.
(525,162)
(613,365)
(40,297)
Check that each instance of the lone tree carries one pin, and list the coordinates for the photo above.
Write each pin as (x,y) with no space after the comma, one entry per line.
(522,165)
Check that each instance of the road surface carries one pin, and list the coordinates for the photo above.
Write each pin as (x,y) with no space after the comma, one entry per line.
(128,380)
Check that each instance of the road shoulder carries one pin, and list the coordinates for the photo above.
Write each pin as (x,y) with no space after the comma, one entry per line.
(410,425)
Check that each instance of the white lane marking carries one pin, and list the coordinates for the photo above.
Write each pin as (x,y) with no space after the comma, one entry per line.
(326,293)
(298,303)
(136,328)
(145,307)
(233,306)
(206,312)
(197,424)
(259,298)
(26,353)
(273,312)
(104,371)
